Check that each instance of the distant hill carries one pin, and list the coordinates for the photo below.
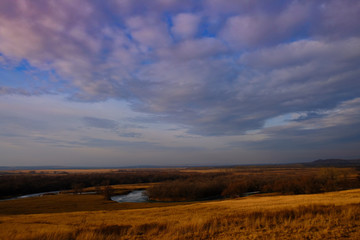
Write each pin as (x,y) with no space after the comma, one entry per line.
(333,163)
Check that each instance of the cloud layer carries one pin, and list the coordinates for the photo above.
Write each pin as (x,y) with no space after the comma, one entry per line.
(212,68)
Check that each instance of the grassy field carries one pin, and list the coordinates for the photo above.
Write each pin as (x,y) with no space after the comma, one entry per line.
(334,215)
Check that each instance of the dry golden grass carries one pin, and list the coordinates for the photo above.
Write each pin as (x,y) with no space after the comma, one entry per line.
(333,215)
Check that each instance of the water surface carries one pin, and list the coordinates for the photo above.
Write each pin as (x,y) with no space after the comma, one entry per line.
(134,196)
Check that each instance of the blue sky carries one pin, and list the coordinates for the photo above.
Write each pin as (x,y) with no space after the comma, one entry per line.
(170,82)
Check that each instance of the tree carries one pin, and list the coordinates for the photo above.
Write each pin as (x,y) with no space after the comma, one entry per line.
(108,191)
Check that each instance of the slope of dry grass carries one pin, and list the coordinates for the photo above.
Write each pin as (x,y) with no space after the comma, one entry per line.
(333,215)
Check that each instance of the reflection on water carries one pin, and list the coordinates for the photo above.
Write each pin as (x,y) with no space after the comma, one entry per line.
(134,196)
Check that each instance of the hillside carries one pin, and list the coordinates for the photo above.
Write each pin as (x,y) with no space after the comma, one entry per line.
(332,215)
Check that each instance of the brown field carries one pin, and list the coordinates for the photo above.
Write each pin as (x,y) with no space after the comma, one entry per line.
(334,215)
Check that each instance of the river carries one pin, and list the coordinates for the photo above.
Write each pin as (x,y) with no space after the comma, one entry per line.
(134,196)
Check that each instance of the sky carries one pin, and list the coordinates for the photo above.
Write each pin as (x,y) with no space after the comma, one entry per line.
(178,82)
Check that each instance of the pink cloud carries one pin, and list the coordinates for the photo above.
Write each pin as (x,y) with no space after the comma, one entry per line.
(250,30)
(301,52)
(338,19)
(185,25)
(194,49)
(246,30)
(149,31)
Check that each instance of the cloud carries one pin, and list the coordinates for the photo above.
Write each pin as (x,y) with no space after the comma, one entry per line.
(264,28)
(9,90)
(246,30)
(148,31)
(108,143)
(345,114)
(338,19)
(218,97)
(15,125)
(185,25)
(114,126)
(219,7)
(194,49)
(130,134)
(301,52)
(212,67)
(100,123)
(313,130)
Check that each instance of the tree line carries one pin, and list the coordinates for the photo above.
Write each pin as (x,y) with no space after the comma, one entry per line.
(203,187)
(21,184)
